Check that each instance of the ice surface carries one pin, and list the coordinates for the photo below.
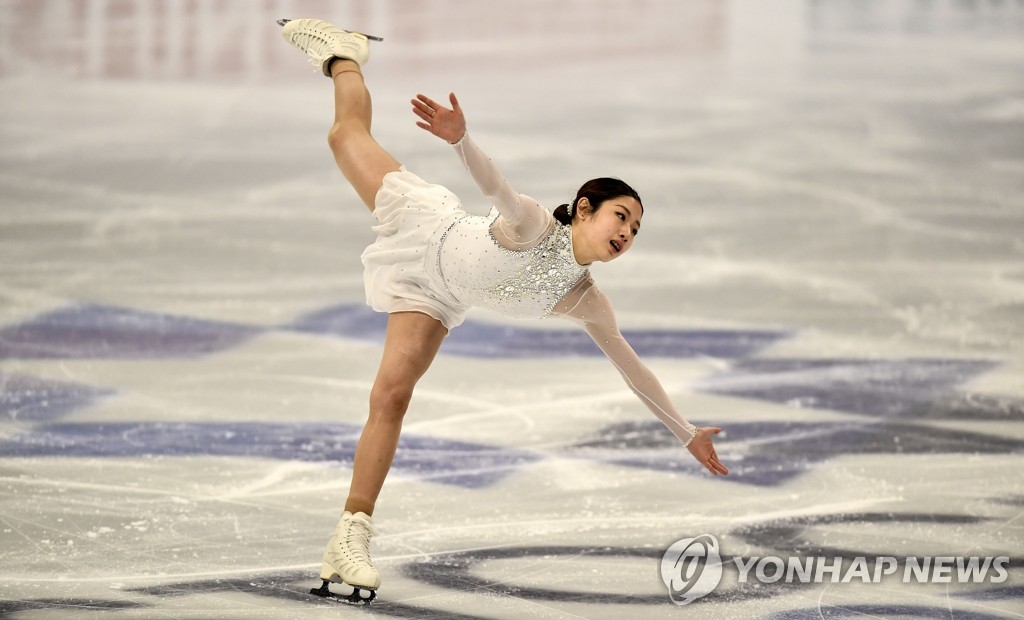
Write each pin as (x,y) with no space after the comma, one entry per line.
(831,269)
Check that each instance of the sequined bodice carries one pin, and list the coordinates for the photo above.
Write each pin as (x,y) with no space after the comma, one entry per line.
(525,284)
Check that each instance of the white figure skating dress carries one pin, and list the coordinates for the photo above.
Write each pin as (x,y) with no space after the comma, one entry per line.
(431,256)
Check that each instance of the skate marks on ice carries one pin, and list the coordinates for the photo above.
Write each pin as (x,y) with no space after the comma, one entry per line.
(885,399)
(12,607)
(24,398)
(892,402)
(444,461)
(567,572)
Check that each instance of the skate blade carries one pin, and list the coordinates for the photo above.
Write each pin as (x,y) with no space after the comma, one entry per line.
(282,22)
(355,598)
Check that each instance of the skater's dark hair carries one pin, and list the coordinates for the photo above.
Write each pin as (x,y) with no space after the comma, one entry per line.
(596,191)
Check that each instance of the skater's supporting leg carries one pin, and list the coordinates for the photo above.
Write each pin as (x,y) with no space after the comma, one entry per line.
(411,343)
(363,162)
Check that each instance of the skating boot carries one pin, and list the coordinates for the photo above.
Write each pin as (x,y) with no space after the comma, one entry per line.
(347,559)
(323,42)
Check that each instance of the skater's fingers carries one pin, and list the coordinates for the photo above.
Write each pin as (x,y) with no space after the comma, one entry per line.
(425,122)
(423,109)
(454,102)
(428,128)
(717,467)
(429,103)
(428,116)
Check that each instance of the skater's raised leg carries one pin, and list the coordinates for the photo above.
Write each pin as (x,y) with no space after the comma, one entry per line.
(340,54)
(363,162)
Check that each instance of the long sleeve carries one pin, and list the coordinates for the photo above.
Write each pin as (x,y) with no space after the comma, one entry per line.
(523,220)
(589,307)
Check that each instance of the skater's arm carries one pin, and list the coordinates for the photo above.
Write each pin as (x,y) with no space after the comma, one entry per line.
(524,218)
(526,221)
(589,307)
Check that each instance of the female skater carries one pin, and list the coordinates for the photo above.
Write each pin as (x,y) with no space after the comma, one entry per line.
(432,261)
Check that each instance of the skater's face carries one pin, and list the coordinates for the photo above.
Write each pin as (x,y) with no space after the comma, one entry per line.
(606,232)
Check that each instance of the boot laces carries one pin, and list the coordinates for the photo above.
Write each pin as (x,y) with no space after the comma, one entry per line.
(357,541)
(315,44)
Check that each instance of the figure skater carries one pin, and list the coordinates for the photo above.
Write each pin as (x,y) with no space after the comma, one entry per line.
(432,261)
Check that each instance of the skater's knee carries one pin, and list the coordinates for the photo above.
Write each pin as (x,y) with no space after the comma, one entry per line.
(363,162)
(336,137)
(390,401)
(343,134)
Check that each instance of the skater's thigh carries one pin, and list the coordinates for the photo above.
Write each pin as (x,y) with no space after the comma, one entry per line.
(363,162)
(410,345)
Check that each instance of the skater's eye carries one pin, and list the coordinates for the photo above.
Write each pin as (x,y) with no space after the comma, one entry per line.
(624,217)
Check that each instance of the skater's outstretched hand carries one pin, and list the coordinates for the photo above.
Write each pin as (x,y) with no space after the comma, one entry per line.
(704,451)
(445,123)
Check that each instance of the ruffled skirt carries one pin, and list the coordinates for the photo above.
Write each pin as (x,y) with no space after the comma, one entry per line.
(400,273)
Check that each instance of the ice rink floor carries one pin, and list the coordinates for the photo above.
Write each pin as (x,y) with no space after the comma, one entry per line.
(831,269)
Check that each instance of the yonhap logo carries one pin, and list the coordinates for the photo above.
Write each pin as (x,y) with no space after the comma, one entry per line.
(691,568)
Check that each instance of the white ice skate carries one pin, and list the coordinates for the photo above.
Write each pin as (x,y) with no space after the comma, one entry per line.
(323,42)
(347,559)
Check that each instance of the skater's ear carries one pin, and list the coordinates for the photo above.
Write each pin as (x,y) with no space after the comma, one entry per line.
(584,207)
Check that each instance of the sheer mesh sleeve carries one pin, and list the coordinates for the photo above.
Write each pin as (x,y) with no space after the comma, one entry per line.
(523,221)
(589,307)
